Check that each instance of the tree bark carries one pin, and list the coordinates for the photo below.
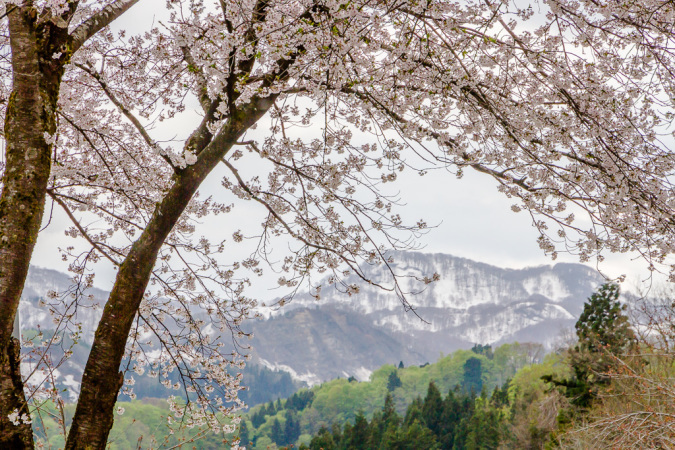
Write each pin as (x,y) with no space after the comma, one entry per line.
(102,379)
(13,399)
(30,121)
(30,118)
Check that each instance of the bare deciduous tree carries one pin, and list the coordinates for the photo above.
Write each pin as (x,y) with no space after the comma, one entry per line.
(635,409)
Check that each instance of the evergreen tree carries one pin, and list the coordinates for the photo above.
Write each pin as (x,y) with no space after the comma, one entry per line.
(465,409)
(414,412)
(323,440)
(603,326)
(243,434)
(485,350)
(500,395)
(291,428)
(450,419)
(389,414)
(291,402)
(359,436)
(337,434)
(483,427)
(432,410)
(603,330)
(346,436)
(300,400)
(417,436)
(376,430)
(400,365)
(258,417)
(392,438)
(472,379)
(277,433)
(393,381)
(383,421)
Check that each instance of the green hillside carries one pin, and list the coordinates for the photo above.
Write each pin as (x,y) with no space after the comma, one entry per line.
(466,373)
(296,419)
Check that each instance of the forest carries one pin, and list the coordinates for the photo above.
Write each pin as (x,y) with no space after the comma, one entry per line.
(611,388)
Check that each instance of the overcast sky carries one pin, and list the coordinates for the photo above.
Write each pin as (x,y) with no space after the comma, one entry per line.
(473,219)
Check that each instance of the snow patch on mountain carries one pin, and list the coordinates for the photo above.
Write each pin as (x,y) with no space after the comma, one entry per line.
(363,374)
(309,378)
(547,284)
(472,301)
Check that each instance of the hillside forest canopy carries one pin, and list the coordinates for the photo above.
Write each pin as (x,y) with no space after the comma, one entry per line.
(307,108)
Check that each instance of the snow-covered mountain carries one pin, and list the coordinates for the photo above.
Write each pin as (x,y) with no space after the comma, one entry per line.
(342,335)
(463,284)
(471,303)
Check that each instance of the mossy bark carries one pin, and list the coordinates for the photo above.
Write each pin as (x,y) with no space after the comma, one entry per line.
(29,119)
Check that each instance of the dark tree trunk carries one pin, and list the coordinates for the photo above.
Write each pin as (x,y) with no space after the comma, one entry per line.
(11,386)
(102,378)
(29,120)
(30,116)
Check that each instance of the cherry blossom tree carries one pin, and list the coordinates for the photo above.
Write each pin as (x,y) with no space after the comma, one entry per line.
(308,109)
(629,46)
(38,42)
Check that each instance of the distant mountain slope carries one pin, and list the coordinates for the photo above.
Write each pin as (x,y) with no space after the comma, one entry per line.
(465,283)
(341,336)
(471,303)
(325,343)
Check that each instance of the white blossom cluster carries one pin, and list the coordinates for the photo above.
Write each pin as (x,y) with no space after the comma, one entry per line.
(17,418)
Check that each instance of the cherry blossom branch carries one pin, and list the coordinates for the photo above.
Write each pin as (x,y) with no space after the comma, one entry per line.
(342,255)
(98,21)
(202,89)
(127,113)
(81,229)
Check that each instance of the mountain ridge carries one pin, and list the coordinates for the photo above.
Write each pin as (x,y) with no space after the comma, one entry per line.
(472,303)
(341,335)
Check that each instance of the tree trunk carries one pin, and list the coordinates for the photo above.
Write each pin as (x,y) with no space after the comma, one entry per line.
(102,379)
(13,399)
(30,117)
(30,122)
